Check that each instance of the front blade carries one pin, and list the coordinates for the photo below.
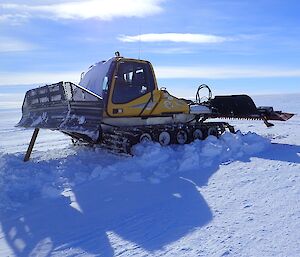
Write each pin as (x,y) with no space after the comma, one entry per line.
(63,107)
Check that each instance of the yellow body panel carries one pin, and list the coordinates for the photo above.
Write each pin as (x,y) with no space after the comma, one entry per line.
(162,103)
(135,107)
(169,104)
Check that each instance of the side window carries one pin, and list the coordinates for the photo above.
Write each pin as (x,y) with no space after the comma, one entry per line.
(105,83)
(133,80)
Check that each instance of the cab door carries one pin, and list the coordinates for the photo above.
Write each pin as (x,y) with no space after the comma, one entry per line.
(134,90)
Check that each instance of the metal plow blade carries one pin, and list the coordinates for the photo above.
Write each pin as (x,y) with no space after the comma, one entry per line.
(270,114)
(63,106)
(243,107)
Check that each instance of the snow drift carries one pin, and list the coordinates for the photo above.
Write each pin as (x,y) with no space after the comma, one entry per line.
(50,173)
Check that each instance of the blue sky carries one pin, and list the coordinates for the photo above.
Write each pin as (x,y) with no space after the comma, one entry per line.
(234,46)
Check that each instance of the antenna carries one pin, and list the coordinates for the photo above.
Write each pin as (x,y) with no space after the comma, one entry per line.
(139,41)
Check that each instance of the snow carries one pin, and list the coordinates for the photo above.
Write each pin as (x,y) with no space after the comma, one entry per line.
(94,78)
(197,109)
(233,196)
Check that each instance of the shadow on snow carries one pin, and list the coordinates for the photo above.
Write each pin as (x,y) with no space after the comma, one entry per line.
(282,152)
(148,215)
(144,215)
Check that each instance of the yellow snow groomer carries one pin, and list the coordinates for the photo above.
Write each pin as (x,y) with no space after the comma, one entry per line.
(117,103)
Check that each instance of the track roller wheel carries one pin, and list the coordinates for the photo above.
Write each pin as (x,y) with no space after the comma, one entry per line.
(145,138)
(181,137)
(213,131)
(198,134)
(164,138)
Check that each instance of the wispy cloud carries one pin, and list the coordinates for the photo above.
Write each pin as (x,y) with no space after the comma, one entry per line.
(14,45)
(13,19)
(176,37)
(20,78)
(98,9)
(170,72)
(162,72)
(171,50)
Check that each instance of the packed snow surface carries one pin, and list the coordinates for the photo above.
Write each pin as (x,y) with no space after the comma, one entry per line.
(234,196)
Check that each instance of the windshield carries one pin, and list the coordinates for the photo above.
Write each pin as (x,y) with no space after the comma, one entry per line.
(134,80)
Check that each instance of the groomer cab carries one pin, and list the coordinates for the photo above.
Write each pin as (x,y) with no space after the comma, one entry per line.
(133,92)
